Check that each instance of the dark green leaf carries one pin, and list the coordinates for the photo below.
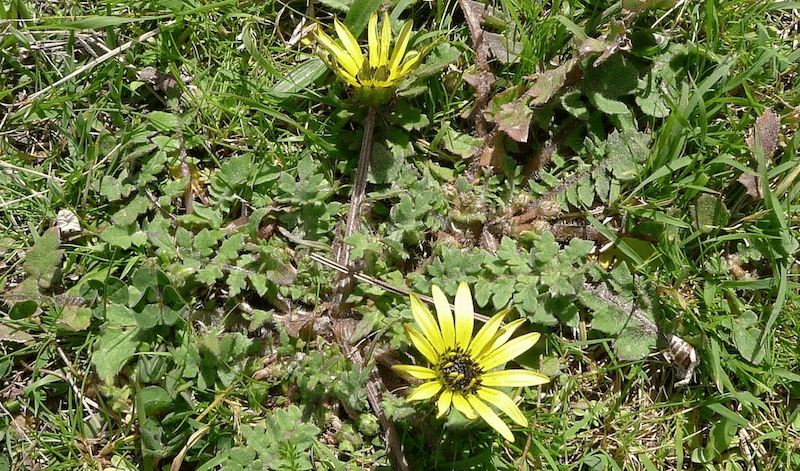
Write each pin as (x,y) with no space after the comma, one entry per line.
(118,236)
(155,399)
(298,80)
(606,318)
(709,213)
(115,346)
(503,291)
(612,79)
(634,343)
(75,318)
(149,277)
(607,105)
(23,309)
(653,104)
(747,342)
(642,5)
(574,104)
(545,248)
(151,432)
(44,258)
(458,143)
(163,121)
(119,315)
(385,167)
(236,282)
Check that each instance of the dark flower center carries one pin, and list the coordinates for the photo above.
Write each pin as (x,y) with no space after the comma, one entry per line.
(459,372)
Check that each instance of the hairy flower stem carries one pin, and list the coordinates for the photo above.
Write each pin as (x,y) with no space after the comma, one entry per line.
(341,249)
(344,284)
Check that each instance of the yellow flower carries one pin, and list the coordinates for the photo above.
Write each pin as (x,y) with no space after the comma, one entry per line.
(374,79)
(461,372)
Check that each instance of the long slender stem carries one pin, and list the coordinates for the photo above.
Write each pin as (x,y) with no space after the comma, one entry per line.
(342,250)
(342,254)
(360,184)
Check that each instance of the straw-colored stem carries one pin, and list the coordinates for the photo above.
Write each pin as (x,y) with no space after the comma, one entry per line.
(360,184)
(342,250)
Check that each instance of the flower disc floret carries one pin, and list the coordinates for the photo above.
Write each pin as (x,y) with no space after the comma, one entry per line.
(461,364)
(459,372)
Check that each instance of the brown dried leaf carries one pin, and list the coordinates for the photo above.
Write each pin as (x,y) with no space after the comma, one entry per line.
(163,81)
(473,11)
(590,46)
(479,79)
(547,84)
(503,48)
(482,79)
(514,119)
(768,127)
(752,184)
(615,40)
(299,323)
(13,334)
(492,152)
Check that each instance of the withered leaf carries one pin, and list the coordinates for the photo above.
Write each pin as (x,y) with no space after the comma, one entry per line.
(547,84)
(768,126)
(752,184)
(10,333)
(505,49)
(590,46)
(473,11)
(163,81)
(492,152)
(615,40)
(298,323)
(479,79)
(515,119)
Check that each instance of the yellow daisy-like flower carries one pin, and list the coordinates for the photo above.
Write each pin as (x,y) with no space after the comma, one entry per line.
(374,79)
(461,372)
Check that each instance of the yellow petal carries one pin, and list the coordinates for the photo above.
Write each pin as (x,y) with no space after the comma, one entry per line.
(386,39)
(461,404)
(486,334)
(340,55)
(344,74)
(513,378)
(350,44)
(419,372)
(490,417)
(427,323)
(413,59)
(374,42)
(445,317)
(425,391)
(422,344)
(465,316)
(443,404)
(504,403)
(400,47)
(510,350)
(503,335)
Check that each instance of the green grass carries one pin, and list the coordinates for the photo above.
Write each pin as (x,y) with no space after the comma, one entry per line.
(158,336)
